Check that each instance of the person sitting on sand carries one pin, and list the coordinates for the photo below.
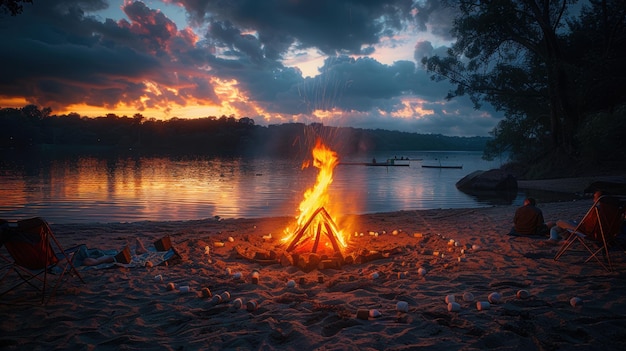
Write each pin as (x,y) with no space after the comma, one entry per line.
(607,207)
(528,220)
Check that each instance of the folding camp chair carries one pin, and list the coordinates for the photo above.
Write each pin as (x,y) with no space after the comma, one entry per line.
(31,246)
(598,230)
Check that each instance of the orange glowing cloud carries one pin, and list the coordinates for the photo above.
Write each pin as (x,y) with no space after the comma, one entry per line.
(413,107)
(162,102)
(328,114)
(13,102)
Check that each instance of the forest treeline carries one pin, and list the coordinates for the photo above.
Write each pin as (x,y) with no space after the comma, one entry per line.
(30,127)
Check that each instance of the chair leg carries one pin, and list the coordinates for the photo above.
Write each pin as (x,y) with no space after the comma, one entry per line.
(571,239)
(594,254)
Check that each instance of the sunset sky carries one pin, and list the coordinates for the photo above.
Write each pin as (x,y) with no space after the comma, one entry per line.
(349,63)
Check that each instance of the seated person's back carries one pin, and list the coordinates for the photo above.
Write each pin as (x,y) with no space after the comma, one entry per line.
(528,219)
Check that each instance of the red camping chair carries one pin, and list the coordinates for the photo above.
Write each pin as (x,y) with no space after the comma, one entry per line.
(598,230)
(30,244)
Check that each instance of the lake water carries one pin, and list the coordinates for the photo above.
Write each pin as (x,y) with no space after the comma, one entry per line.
(128,189)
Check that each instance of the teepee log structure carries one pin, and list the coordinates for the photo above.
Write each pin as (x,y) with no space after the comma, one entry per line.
(325,226)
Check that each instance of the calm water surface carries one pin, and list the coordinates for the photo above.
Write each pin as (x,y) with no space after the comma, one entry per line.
(127,189)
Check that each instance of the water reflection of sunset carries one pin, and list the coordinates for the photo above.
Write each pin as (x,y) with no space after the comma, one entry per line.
(145,188)
(93,189)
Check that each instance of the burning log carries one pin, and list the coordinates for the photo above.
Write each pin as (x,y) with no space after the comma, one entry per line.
(325,225)
(316,242)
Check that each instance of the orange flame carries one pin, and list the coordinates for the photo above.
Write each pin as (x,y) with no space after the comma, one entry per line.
(317,197)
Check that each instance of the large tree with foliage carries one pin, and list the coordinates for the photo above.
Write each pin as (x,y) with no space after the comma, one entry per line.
(13,7)
(530,59)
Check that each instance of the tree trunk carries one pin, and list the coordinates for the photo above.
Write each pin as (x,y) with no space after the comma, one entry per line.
(563,119)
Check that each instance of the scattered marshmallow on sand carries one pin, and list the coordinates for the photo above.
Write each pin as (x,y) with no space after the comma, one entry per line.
(483,289)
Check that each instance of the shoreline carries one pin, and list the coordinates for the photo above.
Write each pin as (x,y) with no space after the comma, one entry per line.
(128,308)
(574,185)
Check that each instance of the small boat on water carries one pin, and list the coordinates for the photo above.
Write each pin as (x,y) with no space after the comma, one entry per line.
(380,164)
(398,161)
(391,162)
(441,166)
(386,165)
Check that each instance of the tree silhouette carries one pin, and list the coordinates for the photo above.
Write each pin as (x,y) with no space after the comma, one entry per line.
(31,127)
(548,65)
(13,7)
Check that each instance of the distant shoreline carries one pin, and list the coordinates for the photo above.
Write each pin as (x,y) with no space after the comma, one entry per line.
(574,185)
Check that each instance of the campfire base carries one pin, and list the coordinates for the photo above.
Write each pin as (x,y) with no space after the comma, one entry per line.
(308,262)
(314,245)
(320,225)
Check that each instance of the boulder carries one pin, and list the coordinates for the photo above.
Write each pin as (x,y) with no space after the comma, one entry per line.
(611,185)
(491,180)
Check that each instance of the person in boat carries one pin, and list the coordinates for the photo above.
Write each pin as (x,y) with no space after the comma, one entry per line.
(528,220)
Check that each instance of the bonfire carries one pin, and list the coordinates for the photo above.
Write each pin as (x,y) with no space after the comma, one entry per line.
(317,242)
(316,230)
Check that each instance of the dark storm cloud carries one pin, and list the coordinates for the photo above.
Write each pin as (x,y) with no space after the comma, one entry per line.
(62,52)
(360,85)
(332,26)
(237,42)
(66,73)
(365,83)
(438,18)
(423,49)
(352,84)
(154,29)
(55,54)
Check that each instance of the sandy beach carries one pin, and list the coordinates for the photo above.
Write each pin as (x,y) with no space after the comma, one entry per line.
(395,301)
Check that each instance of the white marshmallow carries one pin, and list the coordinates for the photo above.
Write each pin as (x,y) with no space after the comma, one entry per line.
(482,305)
(402,306)
(454,307)
(494,297)
(450,298)
(468,297)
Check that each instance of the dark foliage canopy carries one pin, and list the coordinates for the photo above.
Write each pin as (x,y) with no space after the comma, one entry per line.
(13,7)
(552,67)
